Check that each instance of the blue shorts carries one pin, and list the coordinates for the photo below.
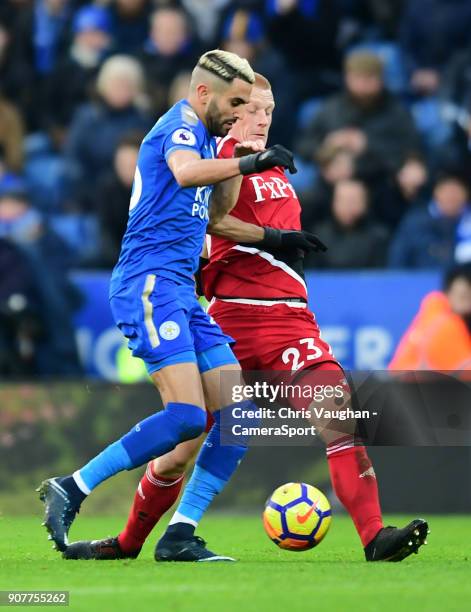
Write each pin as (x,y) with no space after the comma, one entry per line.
(165,324)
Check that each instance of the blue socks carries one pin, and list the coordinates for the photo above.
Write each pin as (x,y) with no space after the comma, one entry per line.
(216,462)
(112,460)
(150,438)
(197,496)
(162,431)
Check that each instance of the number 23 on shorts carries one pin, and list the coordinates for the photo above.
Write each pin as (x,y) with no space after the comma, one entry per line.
(306,351)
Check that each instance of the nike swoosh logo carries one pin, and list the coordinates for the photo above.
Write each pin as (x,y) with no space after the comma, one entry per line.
(302,518)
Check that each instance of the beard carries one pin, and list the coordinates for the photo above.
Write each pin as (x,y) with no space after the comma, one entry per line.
(215,120)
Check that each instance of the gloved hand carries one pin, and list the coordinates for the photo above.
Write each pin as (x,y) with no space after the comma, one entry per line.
(288,240)
(274,156)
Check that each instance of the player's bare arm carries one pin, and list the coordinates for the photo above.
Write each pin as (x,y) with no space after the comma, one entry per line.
(232,228)
(190,170)
(224,198)
(269,238)
(226,193)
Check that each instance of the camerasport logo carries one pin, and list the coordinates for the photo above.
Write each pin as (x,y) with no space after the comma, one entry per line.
(169,330)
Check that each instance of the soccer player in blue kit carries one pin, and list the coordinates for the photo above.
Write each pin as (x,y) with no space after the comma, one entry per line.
(178,187)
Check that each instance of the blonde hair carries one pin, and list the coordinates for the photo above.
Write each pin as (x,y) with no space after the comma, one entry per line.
(261,82)
(365,63)
(122,66)
(227,66)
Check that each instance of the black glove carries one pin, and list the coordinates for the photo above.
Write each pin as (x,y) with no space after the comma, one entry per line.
(288,240)
(274,156)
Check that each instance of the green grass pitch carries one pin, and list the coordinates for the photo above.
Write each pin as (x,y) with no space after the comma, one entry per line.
(332,577)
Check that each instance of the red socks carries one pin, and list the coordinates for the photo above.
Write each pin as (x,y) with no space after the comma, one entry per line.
(154,496)
(354,482)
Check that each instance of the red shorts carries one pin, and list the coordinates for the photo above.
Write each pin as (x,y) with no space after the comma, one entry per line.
(278,338)
(272,338)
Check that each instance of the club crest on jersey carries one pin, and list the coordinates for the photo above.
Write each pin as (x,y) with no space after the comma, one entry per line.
(273,189)
(169,330)
(183,136)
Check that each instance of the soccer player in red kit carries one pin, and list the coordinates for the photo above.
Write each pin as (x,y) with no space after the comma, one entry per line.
(254,279)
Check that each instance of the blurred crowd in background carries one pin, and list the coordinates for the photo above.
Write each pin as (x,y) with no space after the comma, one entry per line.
(373,96)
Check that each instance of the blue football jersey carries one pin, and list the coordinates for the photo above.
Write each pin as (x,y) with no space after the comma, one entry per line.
(167,223)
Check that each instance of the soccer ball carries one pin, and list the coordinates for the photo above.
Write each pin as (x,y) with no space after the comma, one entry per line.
(297,516)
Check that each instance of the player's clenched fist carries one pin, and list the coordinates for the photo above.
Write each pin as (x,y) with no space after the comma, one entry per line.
(274,156)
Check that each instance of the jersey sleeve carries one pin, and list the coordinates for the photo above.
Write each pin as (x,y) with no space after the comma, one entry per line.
(225,147)
(184,137)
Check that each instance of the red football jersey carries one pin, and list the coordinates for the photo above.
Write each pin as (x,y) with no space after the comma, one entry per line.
(236,271)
